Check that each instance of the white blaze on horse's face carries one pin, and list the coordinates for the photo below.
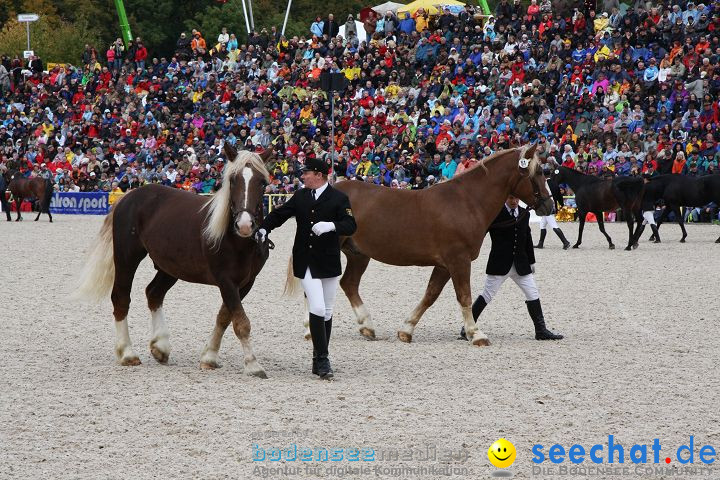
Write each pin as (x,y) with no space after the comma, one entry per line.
(244,223)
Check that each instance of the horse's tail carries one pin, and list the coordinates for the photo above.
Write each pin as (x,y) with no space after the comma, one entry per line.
(98,274)
(292,283)
(49,190)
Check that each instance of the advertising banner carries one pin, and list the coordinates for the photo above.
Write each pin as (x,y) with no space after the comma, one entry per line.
(80,203)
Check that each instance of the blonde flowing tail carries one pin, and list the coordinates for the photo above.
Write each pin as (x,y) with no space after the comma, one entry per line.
(98,274)
(292,283)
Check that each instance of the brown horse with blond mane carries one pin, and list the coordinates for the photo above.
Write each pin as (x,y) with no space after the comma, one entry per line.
(191,238)
(442,226)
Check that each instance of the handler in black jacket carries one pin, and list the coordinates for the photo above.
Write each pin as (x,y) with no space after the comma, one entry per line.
(3,199)
(512,256)
(323,215)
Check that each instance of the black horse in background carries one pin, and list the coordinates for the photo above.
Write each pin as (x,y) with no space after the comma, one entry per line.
(682,191)
(598,195)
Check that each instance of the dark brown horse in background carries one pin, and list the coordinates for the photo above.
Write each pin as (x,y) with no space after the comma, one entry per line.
(191,238)
(38,188)
(442,226)
(598,195)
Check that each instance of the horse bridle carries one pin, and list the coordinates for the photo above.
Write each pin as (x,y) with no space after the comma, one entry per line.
(257,214)
(525,173)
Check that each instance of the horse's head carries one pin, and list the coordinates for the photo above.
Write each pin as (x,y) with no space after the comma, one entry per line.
(530,185)
(238,205)
(558,173)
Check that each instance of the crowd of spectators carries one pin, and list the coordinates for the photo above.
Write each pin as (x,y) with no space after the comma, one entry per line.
(606,88)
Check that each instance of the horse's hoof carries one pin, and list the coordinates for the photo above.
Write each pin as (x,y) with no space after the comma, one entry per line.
(628,248)
(577,245)
(130,362)
(212,365)
(612,247)
(259,373)
(368,333)
(717,241)
(160,356)
(405,337)
(635,245)
(682,240)
(481,342)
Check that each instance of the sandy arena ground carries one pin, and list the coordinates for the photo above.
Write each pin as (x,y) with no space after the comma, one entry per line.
(639,361)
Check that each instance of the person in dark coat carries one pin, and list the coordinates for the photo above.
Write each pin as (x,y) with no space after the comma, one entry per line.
(647,207)
(331,28)
(323,215)
(512,256)
(3,199)
(549,220)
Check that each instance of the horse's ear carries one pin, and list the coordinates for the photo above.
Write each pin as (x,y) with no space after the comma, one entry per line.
(267,154)
(526,154)
(530,152)
(230,152)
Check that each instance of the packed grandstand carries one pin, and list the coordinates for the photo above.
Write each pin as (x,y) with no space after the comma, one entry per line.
(608,88)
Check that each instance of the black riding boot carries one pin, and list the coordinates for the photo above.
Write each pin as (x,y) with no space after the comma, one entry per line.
(541,331)
(656,233)
(320,346)
(328,329)
(561,235)
(541,242)
(477,307)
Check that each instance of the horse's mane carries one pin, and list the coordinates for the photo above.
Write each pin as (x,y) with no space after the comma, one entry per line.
(533,166)
(218,215)
(587,179)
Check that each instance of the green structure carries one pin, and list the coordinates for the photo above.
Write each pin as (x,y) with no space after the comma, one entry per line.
(484,5)
(124,25)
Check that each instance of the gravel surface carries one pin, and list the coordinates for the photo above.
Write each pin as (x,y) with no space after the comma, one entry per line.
(639,361)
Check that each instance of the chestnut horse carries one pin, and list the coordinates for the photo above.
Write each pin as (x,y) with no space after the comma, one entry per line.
(35,187)
(191,238)
(442,226)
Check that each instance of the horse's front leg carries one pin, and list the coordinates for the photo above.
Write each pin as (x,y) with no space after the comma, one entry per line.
(583,214)
(601,226)
(460,274)
(241,326)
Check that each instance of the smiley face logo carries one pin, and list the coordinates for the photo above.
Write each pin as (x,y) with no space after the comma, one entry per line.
(501,453)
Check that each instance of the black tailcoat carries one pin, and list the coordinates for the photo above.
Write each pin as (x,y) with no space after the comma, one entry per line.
(511,244)
(320,253)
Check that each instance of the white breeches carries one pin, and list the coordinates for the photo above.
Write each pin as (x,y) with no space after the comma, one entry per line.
(648,217)
(320,293)
(525,282)
(548,220)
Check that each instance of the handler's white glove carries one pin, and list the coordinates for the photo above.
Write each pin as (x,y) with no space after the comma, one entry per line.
(323,227)
(260,235)
(532,268)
